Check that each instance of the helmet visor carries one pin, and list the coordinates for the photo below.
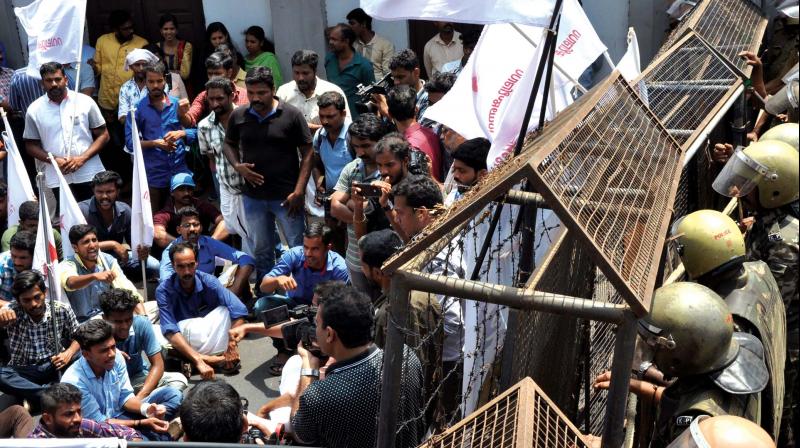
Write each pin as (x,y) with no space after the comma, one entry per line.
(739,176)
(692,437)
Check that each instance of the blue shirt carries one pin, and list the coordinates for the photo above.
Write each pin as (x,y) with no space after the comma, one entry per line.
(153,124)
(104,397)
(141,337)
(209,250)
(7,274)
(334,157)
(293,262)
(174,305)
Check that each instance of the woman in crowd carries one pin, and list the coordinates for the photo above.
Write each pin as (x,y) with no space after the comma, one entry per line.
(260,53)
(177,52)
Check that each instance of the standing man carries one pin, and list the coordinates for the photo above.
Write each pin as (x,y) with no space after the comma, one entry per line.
(306,87)
(401,102)
(163,138)
(405,71)
(220,96)
(71,127)
(89,272)
(134,90)
(268,135)
(375,48)
(468,41)
(444,47)
(218,64)
(35,360)
(346,68)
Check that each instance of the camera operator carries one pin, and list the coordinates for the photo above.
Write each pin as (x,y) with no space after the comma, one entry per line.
(340,410)
(405,70)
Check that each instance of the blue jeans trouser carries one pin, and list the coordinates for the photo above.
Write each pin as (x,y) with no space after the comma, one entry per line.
(169,397)
(262,215)
(27,382)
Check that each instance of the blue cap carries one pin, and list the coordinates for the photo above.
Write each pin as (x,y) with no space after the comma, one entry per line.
(180,180)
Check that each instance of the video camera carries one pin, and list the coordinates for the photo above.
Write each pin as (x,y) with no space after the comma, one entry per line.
(364,93)
(299,329)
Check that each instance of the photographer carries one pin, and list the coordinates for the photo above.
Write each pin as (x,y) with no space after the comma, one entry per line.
(340,410)
(404,67)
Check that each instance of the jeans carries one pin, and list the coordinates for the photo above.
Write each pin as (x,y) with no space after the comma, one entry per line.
(171,399)
(27,382)
(262,216)
(133,270)
(269,302)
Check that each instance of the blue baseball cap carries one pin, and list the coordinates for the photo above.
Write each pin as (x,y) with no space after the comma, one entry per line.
(180,180)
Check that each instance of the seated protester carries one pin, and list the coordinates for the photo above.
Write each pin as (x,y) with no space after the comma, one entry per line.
(402,109)
(469,167)
(15,422)
(34,361)
(416,200)
(296,273)
(62,418)
(29,220)
(197,312)
(112,221)
(424,332)
(209,252)
(363,134)
(213,411)
(18,259)
(107,395)
(166,220)
(134,335)
(218,64)
(340,410)
(89,272)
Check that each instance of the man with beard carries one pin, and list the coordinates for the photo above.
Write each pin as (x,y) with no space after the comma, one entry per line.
(166,220)
(134,90)
(62,418)
(405,71)
(75,148)
(163,138)
(35,357)
(469,167)
(345,67)
(18,259)
(89,272)
(197,313)
(112,221)
(444,47)
(209,251)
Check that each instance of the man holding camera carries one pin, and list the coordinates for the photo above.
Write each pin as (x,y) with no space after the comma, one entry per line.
(340,410)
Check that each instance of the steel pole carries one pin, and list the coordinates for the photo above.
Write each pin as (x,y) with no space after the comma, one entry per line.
(613,429)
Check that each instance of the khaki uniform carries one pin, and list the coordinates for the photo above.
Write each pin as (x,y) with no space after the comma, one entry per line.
(774,240)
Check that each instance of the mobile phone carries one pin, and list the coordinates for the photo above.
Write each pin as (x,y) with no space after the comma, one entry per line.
(368,190)
(275,316)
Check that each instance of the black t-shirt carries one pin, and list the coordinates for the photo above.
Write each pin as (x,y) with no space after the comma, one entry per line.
(272,145)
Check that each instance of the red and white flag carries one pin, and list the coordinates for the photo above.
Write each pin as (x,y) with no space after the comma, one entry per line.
(142,229)
(530,12)
(70,212)
(54,29)
(45,256)
(19,185)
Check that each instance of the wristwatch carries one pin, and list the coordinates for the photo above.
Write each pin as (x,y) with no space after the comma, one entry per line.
(642,369)
(309,372)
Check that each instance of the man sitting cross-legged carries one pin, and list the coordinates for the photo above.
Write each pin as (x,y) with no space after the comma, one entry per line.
(197,313)
(101,376)
(62,418)
(134,335)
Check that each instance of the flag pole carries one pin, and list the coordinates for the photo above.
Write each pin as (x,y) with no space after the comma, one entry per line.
(48,267)
(143,264)
(556,64)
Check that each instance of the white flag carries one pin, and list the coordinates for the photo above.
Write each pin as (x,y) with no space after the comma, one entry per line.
(578,44)
(54,29)
(45,256)
(630,66)
(70,212)
(530,12)
(142,228)
(19,185)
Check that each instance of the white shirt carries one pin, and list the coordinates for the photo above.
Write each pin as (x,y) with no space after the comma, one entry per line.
(65,130)
(437,53)
(308,106)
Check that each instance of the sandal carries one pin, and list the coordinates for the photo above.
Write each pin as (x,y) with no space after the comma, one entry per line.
(276,367)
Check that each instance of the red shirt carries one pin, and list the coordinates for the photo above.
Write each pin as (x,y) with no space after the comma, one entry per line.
(199,107)
(425,140)
(167,217)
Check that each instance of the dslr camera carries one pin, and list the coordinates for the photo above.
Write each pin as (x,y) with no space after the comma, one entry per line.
(364,93)
(298,326)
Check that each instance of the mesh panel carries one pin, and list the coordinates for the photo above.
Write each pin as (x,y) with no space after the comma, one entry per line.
(731,26)
(523,416)
(685,87)
(613,177)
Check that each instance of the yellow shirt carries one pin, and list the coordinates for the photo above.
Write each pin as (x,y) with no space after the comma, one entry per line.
(240,76)
(110,58)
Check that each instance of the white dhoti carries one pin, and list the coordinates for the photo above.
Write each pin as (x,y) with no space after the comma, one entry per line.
(290,378)
(231,205)
(208,335)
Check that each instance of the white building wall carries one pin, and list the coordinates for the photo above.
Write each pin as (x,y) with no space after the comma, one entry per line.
(238,15)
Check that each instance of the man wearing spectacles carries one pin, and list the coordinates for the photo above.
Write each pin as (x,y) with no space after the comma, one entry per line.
(166,220)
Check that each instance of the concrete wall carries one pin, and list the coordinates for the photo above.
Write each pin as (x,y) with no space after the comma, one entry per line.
(289,16)
(238,15)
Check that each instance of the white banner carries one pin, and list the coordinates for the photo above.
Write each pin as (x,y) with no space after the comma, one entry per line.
(45,256)
(70,212)
(530,12)
(19,184)
(142,228)
(630,66)
(54,29)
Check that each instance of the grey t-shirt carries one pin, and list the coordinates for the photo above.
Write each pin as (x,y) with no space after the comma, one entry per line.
(355,171)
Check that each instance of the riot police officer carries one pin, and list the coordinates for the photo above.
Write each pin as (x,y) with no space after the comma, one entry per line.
(712,249)
(765,177)
(788,133)
(724,431)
